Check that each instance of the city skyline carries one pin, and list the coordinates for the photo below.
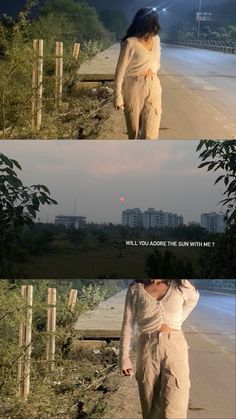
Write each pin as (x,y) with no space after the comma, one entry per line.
(100,180)
(212,221)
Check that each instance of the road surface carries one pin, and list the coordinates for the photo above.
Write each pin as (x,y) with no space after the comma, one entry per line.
(210,332)
(199,100)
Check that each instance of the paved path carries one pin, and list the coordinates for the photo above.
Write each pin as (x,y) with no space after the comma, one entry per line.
(199,98)
(210,331)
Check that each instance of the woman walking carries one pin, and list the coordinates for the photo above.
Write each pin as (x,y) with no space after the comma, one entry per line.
(159,307)
(136,72)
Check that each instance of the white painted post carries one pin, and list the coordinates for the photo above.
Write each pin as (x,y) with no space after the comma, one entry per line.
(72,299)
(51,327)
(37,84)
(59,74)
(76,50)
(25,335)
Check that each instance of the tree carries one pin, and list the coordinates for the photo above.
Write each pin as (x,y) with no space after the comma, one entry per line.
(84,18)
(220,261)
(19,205)
(16,73)
(223,157)
(54,27)
(77,236)
(115,21)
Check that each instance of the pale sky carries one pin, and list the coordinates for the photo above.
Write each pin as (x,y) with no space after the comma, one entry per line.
(158,174)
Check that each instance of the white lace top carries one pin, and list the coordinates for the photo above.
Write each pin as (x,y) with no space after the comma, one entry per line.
(135,59)
(150,314)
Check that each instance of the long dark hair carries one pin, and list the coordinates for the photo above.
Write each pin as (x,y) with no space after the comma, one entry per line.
(178,282)
(146,21)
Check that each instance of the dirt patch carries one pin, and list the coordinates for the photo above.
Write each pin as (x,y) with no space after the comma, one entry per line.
(81,116)
(113,128)
(77,388)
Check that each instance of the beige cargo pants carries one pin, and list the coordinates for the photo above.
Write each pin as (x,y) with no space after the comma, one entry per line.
(142,103)
(163,375)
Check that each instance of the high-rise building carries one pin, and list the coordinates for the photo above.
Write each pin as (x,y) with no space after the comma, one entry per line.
(132,217)
(150,218)
(160,219)
(213,222)
(74,221)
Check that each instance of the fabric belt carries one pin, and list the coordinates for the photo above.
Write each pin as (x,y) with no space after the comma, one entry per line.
(144,76)
(158,333)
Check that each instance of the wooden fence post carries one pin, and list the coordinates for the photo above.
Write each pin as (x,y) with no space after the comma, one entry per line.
(72,299)
(25,333)
(76,50)
(51,327)
(37,84)
(59,74)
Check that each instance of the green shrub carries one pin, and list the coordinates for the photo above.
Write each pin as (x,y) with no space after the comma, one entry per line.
(67,22)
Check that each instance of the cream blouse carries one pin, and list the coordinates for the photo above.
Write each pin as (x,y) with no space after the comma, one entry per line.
(150,314)
(135,59)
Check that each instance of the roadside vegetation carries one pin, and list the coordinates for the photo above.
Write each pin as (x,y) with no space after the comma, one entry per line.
(101,252)
(221,28)
(84,377)
(220,34)
(81,110)
(76,387)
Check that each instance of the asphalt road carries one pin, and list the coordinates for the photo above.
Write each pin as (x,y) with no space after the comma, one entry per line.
(214,319)
(199,100)
(210,332)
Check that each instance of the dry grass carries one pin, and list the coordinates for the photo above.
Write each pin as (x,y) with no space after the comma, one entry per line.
(69,261)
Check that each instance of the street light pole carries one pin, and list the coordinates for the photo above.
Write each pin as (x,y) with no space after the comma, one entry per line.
(199,19)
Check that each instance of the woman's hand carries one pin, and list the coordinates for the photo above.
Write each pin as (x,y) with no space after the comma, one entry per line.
(127,373)
(165,328)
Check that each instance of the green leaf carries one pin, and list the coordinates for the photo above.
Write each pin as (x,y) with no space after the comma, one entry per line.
(42,199)
(35,202)
(203,164)
(14,181)
(53,201)
(219,179)
(45,189)
(16,164)
(211,166)
(226,180)
(31,210)
(6,160)
(200,145)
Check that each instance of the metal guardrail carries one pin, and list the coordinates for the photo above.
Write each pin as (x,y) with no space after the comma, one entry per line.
(220,46)
(218,289)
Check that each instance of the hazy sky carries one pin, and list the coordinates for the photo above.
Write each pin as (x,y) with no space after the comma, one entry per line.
(159,174)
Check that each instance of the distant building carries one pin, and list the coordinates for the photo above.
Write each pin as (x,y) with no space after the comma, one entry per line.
(76,222)
(132,218)
(213,222)
(160,219)
(150,218)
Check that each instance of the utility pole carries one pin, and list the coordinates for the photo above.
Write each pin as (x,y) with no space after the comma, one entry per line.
(199,19)
(75,207)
